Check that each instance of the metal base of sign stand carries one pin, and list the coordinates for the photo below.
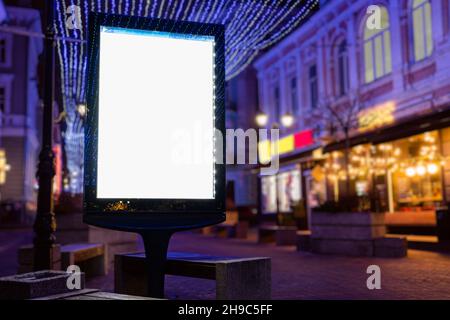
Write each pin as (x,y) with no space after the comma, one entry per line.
(156,244)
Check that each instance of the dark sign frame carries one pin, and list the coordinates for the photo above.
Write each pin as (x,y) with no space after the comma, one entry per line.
(150,214)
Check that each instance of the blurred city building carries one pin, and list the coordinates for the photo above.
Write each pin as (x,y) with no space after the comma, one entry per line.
(242,104)
(389,66)
(19,114)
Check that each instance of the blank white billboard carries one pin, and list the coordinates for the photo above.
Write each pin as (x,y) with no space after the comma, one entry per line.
(156,95)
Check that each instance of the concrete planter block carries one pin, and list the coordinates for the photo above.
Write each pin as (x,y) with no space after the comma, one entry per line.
(346,233)
(304,240)
(391,247)
(242,230)
(349,232)
(354,234)
(281,235)
(26,254)
(207,231)
(35,284)
(25,257)
(286,237)
(357,248)
(347,218)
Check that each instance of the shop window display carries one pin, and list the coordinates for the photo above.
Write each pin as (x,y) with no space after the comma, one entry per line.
(402,175)
(317,189)
(281,192)
(359,174)
(289,192)
(417,183)
(269,194)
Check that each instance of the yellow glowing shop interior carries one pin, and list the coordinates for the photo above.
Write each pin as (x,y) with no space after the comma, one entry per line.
(403,175)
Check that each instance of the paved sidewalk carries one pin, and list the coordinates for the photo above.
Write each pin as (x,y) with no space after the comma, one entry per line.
(422,275)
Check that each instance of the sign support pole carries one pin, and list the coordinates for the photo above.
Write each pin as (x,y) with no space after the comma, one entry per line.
(156,243)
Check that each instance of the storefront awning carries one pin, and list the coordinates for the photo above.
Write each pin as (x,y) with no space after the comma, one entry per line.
(306,154)
(400,129)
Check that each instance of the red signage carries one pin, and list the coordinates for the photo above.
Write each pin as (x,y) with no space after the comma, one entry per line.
(303,139)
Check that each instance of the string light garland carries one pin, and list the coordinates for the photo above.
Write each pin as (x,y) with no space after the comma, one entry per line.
(251,25)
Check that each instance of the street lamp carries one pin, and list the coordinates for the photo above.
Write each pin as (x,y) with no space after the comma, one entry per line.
(45,224)
(287,120)
(4,167)
(261,119)
(81,109)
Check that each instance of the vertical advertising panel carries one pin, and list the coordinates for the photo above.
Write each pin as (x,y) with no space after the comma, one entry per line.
(155,87)
(155,123)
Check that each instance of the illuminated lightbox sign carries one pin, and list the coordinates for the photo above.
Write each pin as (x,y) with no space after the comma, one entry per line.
(154,103)
(164,91)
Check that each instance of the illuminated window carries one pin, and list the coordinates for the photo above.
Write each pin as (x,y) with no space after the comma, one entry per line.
(377,49)
(416,174)
(422,30)
(342,69)
(313,86)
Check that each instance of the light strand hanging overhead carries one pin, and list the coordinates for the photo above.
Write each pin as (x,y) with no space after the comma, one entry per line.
(250,26)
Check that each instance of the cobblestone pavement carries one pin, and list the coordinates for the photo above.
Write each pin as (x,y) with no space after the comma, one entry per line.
(422,275)
(295,275)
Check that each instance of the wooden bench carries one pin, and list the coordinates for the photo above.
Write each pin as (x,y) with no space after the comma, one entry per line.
(236,278)
(25,257)
(281,235)
(90,257)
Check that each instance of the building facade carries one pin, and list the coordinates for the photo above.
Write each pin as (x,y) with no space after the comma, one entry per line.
(379,70)
(241,106)
(19,114)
